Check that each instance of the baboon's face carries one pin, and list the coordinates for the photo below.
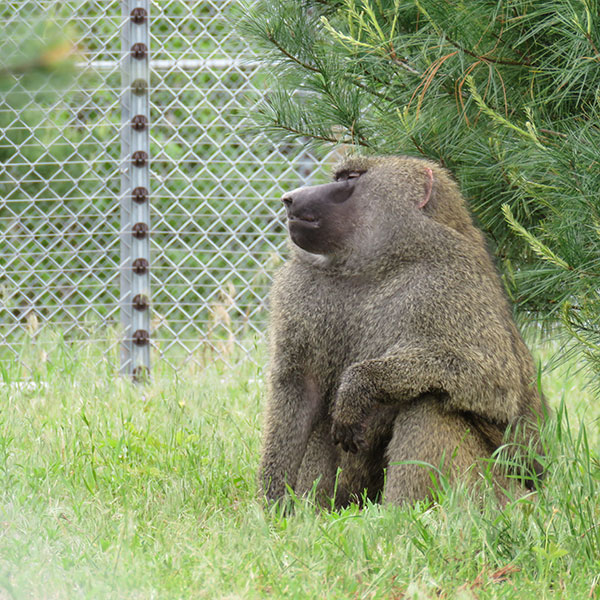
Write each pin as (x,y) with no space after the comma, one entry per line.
(321,218)
(372,205)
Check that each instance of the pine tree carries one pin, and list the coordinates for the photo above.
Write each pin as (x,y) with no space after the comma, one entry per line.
(505,94)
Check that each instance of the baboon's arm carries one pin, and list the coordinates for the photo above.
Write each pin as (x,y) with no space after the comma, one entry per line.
(457,376)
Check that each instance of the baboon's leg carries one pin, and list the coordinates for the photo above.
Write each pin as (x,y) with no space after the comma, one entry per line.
(424,432)
(320,461)
(362,473)
(361,476)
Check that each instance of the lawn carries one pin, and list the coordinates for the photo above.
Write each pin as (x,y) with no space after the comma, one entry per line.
(109,490)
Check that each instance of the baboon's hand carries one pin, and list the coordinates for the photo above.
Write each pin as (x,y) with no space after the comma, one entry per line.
(351,436)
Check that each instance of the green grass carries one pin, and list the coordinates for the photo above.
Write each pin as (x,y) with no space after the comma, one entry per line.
(113,491)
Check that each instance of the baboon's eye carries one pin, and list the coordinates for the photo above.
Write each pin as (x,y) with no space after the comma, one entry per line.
(345,175)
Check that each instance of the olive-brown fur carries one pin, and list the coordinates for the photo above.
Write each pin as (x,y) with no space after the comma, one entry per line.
(391,340)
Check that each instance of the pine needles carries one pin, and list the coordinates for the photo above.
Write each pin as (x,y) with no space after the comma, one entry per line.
(503,93)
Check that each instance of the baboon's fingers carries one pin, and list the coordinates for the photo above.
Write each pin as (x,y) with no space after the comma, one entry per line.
(339,433)
(350,437)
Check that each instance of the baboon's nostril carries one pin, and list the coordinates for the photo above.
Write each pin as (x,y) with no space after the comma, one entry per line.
(287,200)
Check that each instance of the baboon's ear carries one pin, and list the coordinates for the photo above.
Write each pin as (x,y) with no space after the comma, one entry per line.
(428,187)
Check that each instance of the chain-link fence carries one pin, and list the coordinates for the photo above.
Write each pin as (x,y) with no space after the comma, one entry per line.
(215,231)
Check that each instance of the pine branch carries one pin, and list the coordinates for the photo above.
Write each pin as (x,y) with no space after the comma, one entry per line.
(321,138)
(537,246)
(291,57)
(488,59)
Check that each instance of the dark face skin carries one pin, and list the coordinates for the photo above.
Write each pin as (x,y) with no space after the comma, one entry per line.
(321,217)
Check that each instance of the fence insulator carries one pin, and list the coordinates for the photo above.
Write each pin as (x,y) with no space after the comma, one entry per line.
(140,230)
(139,195)
(141,302)
(139,122)
(139,87)
(140,374)
(139,15)
(139,158)
(141,337)
(140,266)
(139,51)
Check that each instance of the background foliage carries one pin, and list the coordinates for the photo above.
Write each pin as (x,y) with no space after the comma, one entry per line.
(505,94)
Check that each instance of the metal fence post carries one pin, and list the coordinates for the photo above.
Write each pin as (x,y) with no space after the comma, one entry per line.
(135,189)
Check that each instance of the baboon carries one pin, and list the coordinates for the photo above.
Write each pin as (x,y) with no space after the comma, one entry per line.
(391,340)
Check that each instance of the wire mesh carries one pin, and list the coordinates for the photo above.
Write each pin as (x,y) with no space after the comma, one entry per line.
(216,227)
